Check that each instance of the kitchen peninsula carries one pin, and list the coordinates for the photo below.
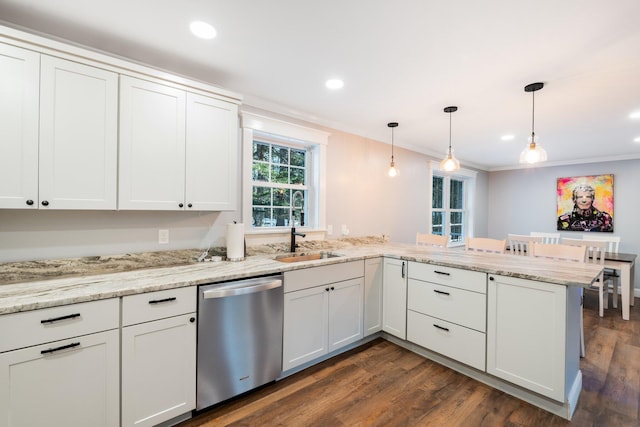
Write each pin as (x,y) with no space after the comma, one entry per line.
(526,341)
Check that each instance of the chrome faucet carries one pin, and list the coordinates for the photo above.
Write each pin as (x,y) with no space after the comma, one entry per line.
(294,233)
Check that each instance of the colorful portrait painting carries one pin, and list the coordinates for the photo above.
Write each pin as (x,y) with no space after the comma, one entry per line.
(585,203)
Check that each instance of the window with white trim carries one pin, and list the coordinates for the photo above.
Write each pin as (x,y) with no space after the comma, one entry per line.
(283,175)
(451,203)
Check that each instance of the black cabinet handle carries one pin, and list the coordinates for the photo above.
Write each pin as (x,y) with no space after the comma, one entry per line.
(333,289)
(180,205)
(444,273)
(326,289)
(441,292)
(64,347)
(190,205)
(193,319)
(160,301)
(30,202)
(403,269)
(441,327)
(56,319)
(491,278)
(45,203)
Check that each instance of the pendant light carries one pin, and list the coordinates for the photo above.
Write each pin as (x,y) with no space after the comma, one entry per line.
(450,163)
(392,167)
(533,152)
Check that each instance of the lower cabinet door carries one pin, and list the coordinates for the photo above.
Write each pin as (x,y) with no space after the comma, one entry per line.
(305,333)
(345,313)
(158,370)
(73,382)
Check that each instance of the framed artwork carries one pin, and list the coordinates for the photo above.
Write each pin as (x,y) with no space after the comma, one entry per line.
(585,203)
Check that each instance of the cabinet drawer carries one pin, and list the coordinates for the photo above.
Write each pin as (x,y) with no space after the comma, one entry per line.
(322,275)
(447,303)
(464,279)
(158,305)
(457,342)
(29,328)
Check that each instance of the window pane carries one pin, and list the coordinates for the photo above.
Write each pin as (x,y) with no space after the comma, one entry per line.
(457,194)
(282,216)
(280,155)
(297,176)
(456,233)
(280,174)
(438,193)
(260,151)
(298,158)
(456,217)
(260,172)
(262,218)
(261,196)
(437,218)
(281,197)
(436,229)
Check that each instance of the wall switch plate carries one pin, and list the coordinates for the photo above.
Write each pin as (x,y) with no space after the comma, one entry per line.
(329,229)
(163,236)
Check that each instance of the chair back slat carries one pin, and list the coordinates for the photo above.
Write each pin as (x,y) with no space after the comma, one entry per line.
(483,244)
(547,237)
(613,242)
(595,249)
(427,239)
(560,252)
(519,244)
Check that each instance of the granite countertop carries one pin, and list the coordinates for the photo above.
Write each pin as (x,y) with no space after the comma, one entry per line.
(30,285)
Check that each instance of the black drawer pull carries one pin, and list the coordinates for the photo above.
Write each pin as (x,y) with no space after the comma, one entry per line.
(441,292)
(441,327)
(64,347)
(55,319)
(159,301)
(442,272)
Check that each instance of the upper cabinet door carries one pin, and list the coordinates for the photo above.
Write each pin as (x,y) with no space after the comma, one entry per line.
(152,146)
(78,136)
(19,91)
(212,154)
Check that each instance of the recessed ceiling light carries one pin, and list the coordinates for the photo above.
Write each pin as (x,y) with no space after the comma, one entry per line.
(334,84)
(635,115)
(507,137)
(636,139)
(202,30)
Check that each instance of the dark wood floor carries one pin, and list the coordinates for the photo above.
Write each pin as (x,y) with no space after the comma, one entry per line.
(381,384)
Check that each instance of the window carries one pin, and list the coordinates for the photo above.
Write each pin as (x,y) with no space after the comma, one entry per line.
(451,202)
(283,175)
(279,185)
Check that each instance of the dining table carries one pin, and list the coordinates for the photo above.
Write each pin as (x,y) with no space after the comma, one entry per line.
(625,264)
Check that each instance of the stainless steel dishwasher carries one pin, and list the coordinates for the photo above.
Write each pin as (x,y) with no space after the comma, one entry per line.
(239,337)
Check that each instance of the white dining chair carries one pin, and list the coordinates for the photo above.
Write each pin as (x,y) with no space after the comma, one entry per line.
(564,252)
(610,275)
(428,239)
(595,255)
(519,244)
(485,245)
(547,237)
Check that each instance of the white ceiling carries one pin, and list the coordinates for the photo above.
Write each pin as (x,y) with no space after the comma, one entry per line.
(401,61)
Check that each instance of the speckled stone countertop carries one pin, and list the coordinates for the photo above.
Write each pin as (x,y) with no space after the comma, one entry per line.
(95,278)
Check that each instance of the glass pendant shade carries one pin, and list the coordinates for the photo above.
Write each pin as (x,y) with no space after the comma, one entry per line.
(450,163)
(533,152)
(392,166)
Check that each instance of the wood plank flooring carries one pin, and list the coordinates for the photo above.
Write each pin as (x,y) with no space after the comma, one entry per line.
(381,384)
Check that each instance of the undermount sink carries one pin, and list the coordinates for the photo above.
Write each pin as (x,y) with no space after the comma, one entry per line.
(306,256)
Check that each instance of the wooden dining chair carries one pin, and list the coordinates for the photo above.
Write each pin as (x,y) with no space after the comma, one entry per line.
(428,239)
(564,252)
(486,245)
(547,237)
(610,275)
(595,255)
(519,244)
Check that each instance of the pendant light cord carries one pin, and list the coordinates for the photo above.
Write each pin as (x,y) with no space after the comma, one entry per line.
(533,114)
(392,144)
(450,132)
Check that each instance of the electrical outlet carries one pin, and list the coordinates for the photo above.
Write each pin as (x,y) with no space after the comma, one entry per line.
(163,236)
(345,230)
(329,229)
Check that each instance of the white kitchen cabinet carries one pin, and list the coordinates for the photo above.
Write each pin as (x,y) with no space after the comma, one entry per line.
(530,340)
(372,295)
(447,312)
(178,150)
(19,93)
(78,136)
(158,356)
(321,317)
(72,381)
(394,289)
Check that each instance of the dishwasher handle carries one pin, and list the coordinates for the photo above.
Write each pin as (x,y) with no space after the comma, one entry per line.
(241,288)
